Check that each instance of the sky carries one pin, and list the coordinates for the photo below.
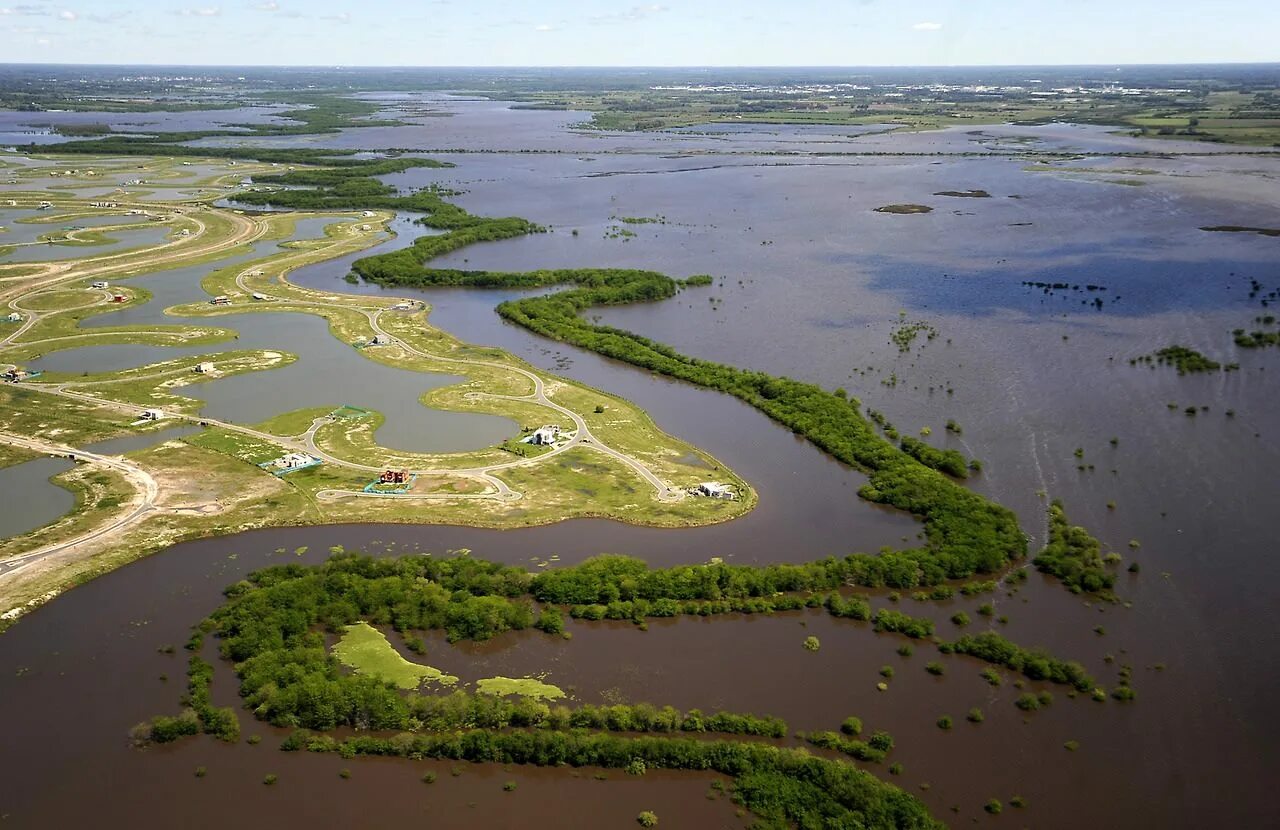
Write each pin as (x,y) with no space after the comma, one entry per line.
(623,33)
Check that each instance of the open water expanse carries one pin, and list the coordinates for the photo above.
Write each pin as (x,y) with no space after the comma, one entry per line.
(811,283)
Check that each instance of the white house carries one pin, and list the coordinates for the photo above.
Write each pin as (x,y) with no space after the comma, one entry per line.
(152,414)
(221,299)
(14,317)
(544,436)
(99,284)
(715,490)
(292,461)
(204,368)
(382,340)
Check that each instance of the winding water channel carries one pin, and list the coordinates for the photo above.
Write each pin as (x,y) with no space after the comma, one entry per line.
(810,283)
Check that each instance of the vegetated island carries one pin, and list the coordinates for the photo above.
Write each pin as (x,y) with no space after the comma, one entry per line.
(1258,338)
(273,627)
(1241,229)
(965,194)
(1185,360)
(905,209)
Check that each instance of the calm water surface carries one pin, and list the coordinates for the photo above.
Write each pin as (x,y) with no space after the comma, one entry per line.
(810,282)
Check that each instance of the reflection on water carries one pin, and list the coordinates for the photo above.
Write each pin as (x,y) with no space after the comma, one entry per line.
(31,499)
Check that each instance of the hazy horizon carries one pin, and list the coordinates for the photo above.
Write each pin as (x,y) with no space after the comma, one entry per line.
(615,33)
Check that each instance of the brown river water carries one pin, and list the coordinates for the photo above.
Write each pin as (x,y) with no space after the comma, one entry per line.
(810,282)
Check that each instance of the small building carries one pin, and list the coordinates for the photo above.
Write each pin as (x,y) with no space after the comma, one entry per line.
(46,205)
(99,284)
(15,375)
(394,477)
(368,214)
(715,490)
(221,299)
(366,227)
(184,232)
(118,298)
(258,296)
(14,317)
(404,305)
(290,462)
(543,436)
(152,414)
(381,340)
(205,368)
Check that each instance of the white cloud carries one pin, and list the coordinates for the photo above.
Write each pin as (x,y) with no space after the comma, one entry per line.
(927,27)
(340,17)
(67,15)
(269,6)
(630,15)
(211,11)
(544,27)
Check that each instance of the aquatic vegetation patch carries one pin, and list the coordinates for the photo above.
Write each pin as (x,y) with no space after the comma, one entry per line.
(1185,360)
(367,650)
(1241,229)
(529,687)
(904,209)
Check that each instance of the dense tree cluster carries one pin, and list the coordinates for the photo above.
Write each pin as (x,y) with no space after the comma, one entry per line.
(1074,556)
(886,619)
(950,462)
(272,627)
(1034,663)
(1183,359)
(784,787)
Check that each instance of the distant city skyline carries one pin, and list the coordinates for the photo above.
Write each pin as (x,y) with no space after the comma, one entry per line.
(624,33)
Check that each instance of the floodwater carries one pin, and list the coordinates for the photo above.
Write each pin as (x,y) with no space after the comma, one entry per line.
(124,239)
(32,500)
(810,282)
(327,373)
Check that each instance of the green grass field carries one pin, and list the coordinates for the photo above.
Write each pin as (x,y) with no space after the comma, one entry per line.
(365,649)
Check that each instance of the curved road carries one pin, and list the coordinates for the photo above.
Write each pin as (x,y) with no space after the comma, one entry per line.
(247,231)
(135,475)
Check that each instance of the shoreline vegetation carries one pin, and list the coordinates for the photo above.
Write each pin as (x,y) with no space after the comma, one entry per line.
(966,533)
(274,625)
